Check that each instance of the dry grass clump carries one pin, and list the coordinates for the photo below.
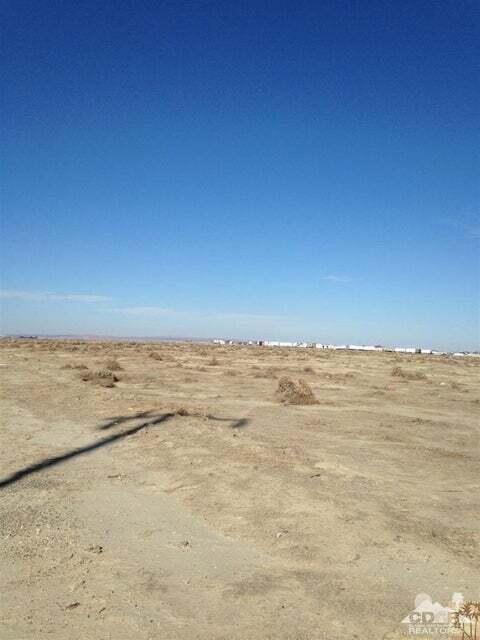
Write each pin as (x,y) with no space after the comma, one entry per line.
(398,372)
(213,362)
(165,356)
(291,392)
(339,377)
(308,369)
(458,387)
(113,365)
(269,372)
(102,377)
(69,365)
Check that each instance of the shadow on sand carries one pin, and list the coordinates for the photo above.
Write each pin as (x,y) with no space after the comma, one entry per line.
(151,419)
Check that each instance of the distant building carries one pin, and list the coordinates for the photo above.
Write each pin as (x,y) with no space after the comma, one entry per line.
(364,347)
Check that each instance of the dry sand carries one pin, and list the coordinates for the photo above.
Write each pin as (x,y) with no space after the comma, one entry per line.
(187,501)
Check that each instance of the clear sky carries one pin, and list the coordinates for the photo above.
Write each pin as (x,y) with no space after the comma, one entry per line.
(289,170)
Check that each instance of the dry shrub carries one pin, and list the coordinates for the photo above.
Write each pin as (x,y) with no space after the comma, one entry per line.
(230,372)
(308,369)
(102,377)
(113,365)
(155,356)
(291,392)
(213,362)
(398,372)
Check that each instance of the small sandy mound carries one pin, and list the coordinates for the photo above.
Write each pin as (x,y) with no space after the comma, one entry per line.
(291,392)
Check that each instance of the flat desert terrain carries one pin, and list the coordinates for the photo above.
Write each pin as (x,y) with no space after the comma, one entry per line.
(189,500)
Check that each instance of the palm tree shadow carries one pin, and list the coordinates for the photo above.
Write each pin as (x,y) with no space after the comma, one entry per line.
(153,419)
(116,420)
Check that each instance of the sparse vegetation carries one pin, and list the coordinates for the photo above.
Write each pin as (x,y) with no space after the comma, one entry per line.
(311,482)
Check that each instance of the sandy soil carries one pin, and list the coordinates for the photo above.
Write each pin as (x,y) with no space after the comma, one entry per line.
(243,518)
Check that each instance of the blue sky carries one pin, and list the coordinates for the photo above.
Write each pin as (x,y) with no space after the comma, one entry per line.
(292,170)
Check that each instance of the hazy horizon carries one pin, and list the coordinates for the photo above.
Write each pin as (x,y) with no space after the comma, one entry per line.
(208,334)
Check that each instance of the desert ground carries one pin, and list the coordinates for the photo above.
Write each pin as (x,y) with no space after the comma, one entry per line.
(177,495)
